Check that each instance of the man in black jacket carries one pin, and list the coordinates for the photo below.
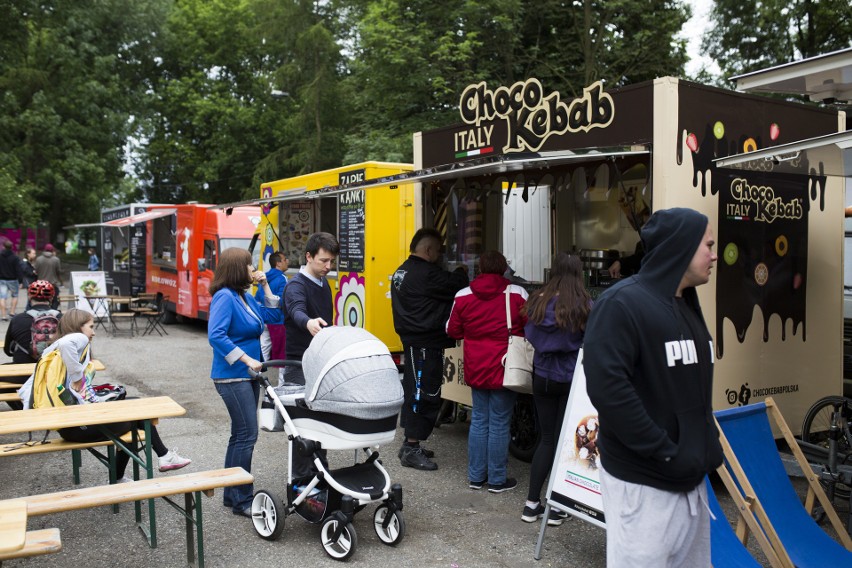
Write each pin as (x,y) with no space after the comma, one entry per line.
(649,363)
(421,298)
(10,276)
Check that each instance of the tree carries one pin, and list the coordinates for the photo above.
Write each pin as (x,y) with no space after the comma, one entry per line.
(412,59)
(747,36)
(68,90)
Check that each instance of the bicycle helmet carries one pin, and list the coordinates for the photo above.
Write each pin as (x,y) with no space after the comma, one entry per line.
(41,290)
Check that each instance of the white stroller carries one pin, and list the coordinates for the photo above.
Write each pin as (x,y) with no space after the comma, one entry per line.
(350,401)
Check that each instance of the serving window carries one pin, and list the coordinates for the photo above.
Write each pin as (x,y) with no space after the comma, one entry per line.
(164,241)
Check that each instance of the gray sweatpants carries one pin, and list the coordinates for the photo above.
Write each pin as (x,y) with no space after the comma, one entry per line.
(648,527)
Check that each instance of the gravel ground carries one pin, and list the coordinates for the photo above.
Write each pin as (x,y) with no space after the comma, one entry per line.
(448,524)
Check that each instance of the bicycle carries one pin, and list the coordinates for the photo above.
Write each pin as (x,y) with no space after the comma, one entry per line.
(827,442)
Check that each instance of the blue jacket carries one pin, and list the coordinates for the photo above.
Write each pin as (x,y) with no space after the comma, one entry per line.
(277,283)
(234,330)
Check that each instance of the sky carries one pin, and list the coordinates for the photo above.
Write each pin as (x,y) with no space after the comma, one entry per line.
(694,31)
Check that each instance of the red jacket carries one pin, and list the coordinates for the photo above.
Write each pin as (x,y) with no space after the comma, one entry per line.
(479,317)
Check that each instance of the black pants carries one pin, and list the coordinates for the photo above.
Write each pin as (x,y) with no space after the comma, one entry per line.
(550,399)
(94,434)
(421,406)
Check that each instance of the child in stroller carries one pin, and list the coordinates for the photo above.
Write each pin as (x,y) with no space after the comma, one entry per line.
(350,401)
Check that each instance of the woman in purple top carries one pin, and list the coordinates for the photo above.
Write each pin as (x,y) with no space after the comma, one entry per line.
(556,320)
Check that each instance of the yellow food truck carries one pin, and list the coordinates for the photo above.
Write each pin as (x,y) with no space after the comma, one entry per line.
(374,229)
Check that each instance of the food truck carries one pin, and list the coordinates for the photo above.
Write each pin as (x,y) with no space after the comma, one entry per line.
(530,172)
(374,229)
(184,242)
(123,248)
(170,249)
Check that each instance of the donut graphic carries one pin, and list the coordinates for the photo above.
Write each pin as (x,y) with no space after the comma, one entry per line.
(350,301)
(749,145)
(781,245)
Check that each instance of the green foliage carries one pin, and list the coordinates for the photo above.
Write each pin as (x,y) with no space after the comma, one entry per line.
(747,36)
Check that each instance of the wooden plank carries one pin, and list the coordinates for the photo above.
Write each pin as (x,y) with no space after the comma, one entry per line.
(9,397)
(87,497)
(26,369)
(89,414)
(13,525)
(5,385)
(58,445)
(38,543)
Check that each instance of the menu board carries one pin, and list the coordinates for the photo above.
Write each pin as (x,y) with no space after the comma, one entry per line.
(137,258)
(351,226)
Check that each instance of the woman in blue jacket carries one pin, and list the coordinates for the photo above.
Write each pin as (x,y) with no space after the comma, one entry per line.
(236,322)
(557,316)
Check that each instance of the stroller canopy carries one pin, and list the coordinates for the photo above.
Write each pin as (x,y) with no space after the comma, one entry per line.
(349,371)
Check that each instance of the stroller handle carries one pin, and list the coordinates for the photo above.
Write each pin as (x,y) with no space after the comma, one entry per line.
(273,363)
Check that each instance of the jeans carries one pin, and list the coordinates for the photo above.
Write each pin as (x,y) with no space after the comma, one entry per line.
(488,440)
(241,401)
(550,399)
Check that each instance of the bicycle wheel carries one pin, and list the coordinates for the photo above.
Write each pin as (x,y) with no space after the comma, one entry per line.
(816,426)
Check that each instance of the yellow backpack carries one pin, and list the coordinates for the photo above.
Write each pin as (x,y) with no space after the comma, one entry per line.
(50,375)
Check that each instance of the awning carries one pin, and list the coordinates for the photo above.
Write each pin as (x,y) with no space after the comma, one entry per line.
(126,221)
(826,78)
(499,165)
(824,155)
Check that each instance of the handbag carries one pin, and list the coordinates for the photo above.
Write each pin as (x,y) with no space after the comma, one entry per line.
(518,361)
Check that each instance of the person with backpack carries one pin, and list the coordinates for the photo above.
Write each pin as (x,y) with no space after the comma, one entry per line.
(31,332)
(64,376)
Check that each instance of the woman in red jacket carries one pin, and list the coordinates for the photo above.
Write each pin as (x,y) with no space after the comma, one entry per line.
(479,317)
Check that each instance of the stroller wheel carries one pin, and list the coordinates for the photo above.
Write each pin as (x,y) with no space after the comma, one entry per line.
(345,545)
(395,530)
(267,514)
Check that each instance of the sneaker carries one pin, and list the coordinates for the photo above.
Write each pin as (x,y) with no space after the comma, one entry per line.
(510,483)
(428,453)
(172,461)
(125,479)
(416,458)
(531,515)
(476,484)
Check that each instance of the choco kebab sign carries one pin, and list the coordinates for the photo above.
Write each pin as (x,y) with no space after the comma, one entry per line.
(531,116)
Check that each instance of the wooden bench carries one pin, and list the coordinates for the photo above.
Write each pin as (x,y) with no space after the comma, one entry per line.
(27,369)
(191,485)
(37,543)
(58,445)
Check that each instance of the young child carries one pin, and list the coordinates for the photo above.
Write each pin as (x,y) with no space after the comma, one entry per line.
(75,333)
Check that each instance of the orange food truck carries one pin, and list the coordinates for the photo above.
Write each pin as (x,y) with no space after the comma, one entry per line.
(183,244)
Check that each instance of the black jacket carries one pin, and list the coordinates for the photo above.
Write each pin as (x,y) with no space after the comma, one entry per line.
(304,301)
(649,365)
(19,335)
(10,265)
(421,298)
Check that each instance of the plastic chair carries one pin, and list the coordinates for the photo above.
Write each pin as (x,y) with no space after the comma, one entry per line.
(753,461)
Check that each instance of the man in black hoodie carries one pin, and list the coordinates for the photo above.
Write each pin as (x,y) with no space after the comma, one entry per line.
(422,295)
(649,363)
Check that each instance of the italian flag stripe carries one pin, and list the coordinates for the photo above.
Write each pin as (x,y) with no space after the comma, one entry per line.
(476,152)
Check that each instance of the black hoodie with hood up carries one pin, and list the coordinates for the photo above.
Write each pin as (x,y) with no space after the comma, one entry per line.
(648,359)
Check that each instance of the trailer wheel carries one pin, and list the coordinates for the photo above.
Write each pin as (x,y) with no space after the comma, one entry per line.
(169,317)
(523,429)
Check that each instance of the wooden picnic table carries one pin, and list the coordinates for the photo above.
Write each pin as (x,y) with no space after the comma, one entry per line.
(26,369)
(13,525)
(147,410)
